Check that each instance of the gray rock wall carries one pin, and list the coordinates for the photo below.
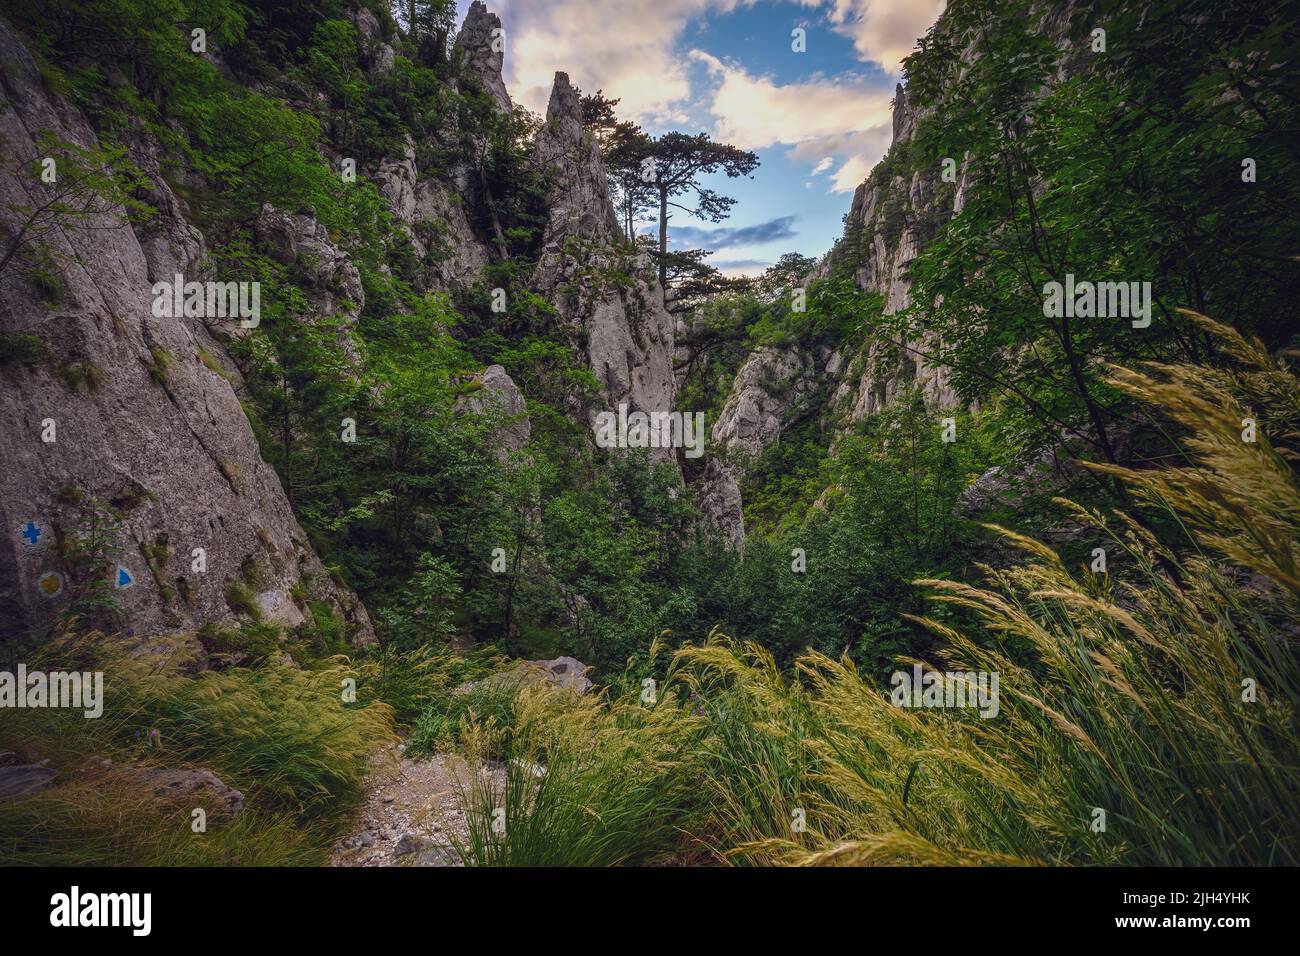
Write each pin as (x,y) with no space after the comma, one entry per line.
(607,293)
(141,417)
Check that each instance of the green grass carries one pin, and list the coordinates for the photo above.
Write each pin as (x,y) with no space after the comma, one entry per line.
(587,783)
(419,682)
(281,735)
(1129,695)
(489,705)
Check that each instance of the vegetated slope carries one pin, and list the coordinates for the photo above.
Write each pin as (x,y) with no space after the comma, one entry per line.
(435,335)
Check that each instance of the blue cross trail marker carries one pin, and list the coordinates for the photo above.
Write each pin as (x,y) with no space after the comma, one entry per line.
(32,532)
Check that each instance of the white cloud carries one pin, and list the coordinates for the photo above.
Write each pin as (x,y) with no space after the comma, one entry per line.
(754,112)
(747,268)
(631,49)
(825,119)
(882,31)
(851,175)
(620,46)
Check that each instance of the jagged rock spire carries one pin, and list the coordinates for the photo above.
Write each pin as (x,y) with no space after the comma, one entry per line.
(483,51)
(564,111)
(580,203)
(629,333)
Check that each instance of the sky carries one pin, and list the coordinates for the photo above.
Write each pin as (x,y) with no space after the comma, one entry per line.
(818,119)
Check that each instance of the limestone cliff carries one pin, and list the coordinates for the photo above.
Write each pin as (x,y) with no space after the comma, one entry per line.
(111,403)
(606,292)
(481,46)
(891,218)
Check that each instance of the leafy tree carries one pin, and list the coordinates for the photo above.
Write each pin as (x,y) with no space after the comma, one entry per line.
(423,611)
(1129,169)
(93,188)
(789,272)
(625,148)
(693,281)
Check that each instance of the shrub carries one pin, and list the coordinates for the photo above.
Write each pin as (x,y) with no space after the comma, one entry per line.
(587,782)
(488,704)
(420,682)
(23,347)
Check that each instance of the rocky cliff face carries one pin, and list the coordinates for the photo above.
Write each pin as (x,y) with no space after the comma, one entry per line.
(135,411)
(433,207)
(141,414)
(608,294)
(481,45)
(890,220)
(767,388)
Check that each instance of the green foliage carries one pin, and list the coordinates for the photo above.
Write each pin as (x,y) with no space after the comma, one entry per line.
(422,614)
(84,374)
(88,550)
(249,642)
(159,363)
(23,348)
(278,734)
(94,187)
(242,600)
(1127,170)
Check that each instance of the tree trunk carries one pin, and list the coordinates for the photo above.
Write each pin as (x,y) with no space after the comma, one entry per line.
(663,239)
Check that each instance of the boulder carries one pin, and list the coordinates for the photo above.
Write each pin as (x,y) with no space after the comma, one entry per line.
(174,786)
(24,780)
(499,398)
(566,672)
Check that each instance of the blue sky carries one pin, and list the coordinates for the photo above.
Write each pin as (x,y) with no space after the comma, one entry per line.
(818,119)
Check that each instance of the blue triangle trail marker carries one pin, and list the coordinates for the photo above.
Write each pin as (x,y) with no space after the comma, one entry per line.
(124,578)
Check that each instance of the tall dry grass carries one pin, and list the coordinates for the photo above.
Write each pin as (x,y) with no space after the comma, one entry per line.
(282,735)
(1128,694)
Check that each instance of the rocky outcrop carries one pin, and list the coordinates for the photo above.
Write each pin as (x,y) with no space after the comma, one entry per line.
(605,291)
(498,398)
(891,219)
(324,272)
(769,385)
(190,785)
(480,45)
(25,780)
(451,252)
(332,282)
(889,222)
(567,673)
(717,495)
(377,54)
(434,207)
(108,406)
